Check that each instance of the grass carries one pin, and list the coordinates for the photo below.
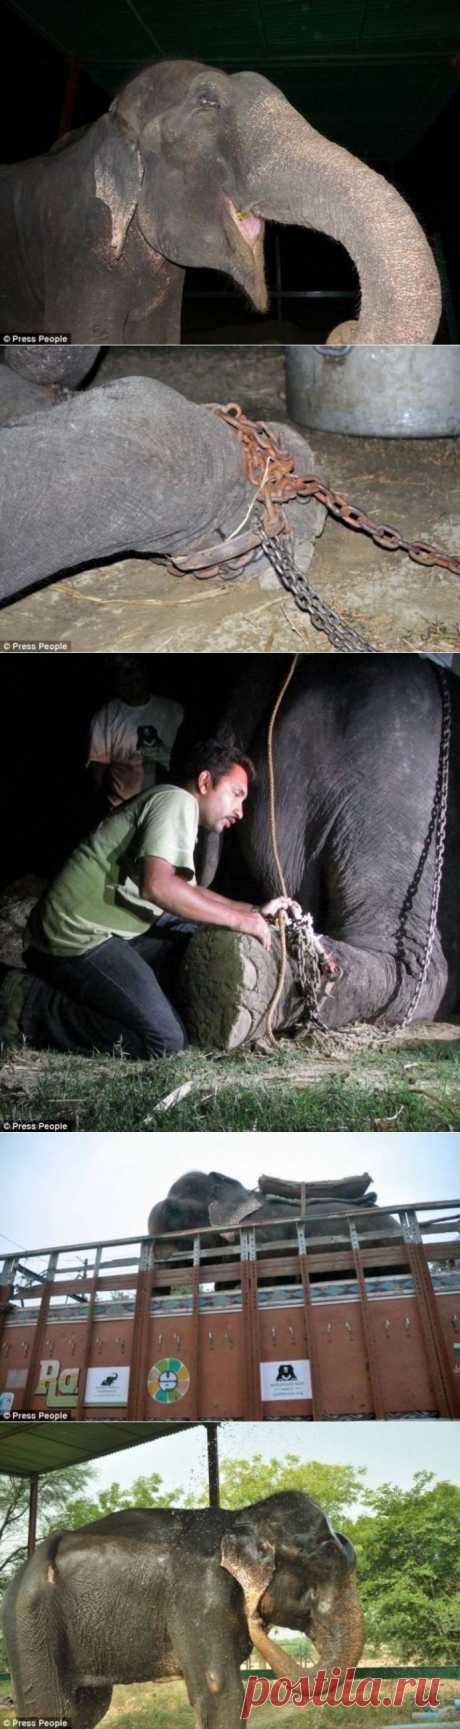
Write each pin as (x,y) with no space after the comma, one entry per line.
(165,1706)
(411,1085)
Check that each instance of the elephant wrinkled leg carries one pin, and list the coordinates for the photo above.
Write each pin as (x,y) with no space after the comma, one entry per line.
(210,1665)
(371,985)
(91,1703)
(215,1690)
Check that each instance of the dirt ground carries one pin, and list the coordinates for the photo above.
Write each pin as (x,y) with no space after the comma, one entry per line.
(136,604)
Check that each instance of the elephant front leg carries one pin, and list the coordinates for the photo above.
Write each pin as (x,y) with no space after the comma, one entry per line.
(372,985)
(215,1690)
(362,985)
(91,1703)
(210,1664)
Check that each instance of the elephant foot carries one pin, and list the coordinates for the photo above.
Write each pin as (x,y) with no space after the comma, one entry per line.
(224,987)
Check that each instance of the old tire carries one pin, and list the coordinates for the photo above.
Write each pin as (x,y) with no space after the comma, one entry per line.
(224,987)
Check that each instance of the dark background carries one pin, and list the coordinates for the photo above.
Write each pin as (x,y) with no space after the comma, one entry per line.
(46,705)
(381,79)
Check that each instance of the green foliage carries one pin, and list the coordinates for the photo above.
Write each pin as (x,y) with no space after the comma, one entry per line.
(56,1494)
(337,1487)
(408,1549)
(143,1492)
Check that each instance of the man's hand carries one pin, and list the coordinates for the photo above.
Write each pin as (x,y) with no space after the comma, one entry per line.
(283,904)
(252,924)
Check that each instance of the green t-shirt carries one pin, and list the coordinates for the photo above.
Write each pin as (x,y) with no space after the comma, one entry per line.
(97,893)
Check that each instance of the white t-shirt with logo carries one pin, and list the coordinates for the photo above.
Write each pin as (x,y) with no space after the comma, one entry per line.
(143,732)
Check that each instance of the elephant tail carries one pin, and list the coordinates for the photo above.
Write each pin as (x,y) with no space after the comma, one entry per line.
(51,1549)
(35,1637)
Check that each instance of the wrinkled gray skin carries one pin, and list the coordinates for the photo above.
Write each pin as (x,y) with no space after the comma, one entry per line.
(188,1206)
(95,237)
(33,379)
(144,1595)
(125,467)
(356,756)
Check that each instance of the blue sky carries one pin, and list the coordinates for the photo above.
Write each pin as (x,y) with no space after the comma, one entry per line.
(79,1188)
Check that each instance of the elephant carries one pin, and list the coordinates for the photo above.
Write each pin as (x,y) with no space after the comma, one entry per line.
(150,1593)
(130,466)
(185,169)
(202,1199)
(356,752)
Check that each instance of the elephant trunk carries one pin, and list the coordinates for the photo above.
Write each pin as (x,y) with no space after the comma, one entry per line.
(337,1632)
(297,176)
(337,1627)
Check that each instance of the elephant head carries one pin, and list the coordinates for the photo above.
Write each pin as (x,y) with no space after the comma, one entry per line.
(188,1206)
(294,1570)
(205,158)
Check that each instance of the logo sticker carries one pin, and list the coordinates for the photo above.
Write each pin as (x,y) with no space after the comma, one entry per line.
(168,1381)
(107,1386)
(286,1380)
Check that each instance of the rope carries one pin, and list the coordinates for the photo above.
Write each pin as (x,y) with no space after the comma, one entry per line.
(281,916)
(437,828)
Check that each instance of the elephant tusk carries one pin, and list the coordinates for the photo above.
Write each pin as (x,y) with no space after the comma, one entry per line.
(275,1655)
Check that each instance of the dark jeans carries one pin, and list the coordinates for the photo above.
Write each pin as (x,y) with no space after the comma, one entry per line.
(91,1002)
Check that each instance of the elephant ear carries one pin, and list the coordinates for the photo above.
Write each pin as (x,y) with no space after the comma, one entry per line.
(118,175)
(228,1214)
(251,1560)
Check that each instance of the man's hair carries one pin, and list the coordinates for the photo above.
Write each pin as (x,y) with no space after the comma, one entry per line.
(218,756)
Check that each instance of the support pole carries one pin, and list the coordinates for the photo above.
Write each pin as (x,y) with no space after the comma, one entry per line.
(33,1502)
(213,1464)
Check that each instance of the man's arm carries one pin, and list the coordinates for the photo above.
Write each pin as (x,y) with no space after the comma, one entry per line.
(162,885)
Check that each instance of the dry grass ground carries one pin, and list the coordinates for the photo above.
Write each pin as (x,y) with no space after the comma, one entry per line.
(412,1084)
(165,1706)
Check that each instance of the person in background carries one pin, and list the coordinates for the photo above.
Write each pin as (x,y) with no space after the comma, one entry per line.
(132,736)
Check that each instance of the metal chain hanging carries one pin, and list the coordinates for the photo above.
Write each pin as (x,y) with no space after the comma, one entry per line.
(298,939)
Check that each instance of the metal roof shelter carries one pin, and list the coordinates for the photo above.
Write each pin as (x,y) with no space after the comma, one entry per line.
(33,1449)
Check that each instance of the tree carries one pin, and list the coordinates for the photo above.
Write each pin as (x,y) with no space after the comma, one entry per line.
(408,1552)
(55,1497)
(143,1492)
(338,1488)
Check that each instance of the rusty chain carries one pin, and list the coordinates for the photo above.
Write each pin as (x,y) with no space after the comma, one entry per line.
(271,470)
(261,449)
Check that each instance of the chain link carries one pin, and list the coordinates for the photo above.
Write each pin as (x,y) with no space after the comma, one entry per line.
(271,470)
(279,549)
(261,450)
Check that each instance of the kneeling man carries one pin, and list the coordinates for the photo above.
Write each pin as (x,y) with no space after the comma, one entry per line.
(99,940)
